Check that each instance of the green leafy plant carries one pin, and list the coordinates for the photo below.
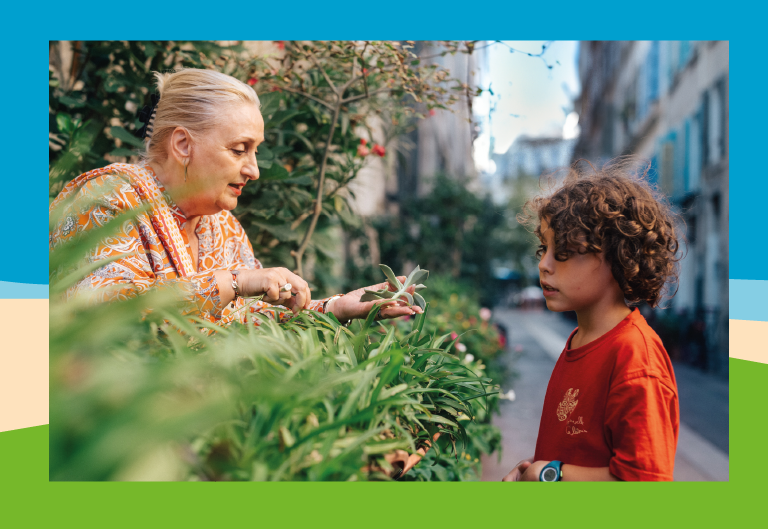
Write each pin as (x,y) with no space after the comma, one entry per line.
(139,392)
(413,279)
(319,101)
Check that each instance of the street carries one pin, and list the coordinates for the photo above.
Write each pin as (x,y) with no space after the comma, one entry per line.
(536,339)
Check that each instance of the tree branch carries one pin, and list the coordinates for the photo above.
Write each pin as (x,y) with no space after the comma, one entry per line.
(301,218)
(304,94)
(355,77)
(364,96)
(325,74)
(298,254)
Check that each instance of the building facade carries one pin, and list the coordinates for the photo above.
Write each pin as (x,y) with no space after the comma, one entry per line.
(527,157)
(668,103)
(441,143)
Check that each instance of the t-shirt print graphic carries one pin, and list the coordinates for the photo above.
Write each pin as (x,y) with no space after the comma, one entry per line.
(565,408)
(569,403)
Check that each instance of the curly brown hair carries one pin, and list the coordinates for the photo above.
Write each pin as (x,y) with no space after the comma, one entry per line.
(613,210)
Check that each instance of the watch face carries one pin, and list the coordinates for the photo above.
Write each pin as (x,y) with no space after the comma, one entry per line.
(550,474)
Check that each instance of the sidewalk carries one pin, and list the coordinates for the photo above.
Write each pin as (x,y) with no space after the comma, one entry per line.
(536,339)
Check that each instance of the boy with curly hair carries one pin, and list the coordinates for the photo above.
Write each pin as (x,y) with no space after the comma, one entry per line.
(608,242)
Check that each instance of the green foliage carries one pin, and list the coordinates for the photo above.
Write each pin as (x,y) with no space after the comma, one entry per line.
(318,101)
(456,309)
(453,231)
(139,392)
(517,239)
(413,279)
(165,397)
(108,82)
(443,465)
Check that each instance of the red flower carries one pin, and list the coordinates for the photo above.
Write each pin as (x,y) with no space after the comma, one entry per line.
(365,71)
(432,112)
(363,151)
(363,141)
(379,150)
(280,44)
(252,81)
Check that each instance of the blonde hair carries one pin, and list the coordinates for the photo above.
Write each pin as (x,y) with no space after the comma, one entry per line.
(192,99)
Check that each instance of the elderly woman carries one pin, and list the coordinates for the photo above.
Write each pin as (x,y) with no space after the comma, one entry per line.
(202,151)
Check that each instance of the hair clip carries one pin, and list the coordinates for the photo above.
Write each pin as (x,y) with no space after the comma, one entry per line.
(146,114)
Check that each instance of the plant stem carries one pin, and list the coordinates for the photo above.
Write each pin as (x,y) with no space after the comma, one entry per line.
(298,254)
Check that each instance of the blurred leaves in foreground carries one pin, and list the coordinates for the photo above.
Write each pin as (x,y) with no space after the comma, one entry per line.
(140,392)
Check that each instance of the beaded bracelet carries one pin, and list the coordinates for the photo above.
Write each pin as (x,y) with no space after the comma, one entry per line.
(325,307)
(235,286)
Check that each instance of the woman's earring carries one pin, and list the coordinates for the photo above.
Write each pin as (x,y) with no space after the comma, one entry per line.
(185,172)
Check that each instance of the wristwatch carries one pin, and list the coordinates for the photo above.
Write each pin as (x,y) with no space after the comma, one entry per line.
(552,472)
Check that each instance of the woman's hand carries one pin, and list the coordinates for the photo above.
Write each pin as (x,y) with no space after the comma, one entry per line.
(270,282)
(519,470)
(349,306)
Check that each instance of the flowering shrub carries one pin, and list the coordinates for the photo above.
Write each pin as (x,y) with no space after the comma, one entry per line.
(455,312)
(316,99)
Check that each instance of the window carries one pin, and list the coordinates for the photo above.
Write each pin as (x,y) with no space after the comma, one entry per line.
(705,129)
(694,154)
(715,104)
(667,165)
(685,53)
(686,187)
(653,72)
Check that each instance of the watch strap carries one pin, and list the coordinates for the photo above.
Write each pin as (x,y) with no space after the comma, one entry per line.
(557,466)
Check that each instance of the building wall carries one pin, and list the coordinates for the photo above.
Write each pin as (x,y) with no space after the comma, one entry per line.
(668,103)
(441,143)
(527,157)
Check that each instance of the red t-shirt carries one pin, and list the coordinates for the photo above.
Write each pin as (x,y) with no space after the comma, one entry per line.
(613,403)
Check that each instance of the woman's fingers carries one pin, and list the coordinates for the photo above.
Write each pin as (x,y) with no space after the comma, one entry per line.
(272,293)
(390,287)
(299,300)
(396,311)
(274,283)
(299,295)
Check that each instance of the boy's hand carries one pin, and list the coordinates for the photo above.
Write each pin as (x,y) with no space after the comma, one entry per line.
(518,471)
(533,471)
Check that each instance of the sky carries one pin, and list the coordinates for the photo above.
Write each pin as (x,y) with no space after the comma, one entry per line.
(529,98)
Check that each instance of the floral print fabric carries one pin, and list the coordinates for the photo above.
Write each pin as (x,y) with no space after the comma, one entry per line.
(156,244)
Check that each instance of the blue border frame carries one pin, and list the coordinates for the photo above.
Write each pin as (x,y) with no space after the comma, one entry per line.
(29,497)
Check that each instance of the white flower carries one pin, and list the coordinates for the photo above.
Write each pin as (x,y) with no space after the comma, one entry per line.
(469,358)
(509,395)
(485,314)
(460,347)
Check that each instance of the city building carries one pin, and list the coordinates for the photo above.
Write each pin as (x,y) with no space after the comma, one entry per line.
(530,157)
(441,143)
(668,103)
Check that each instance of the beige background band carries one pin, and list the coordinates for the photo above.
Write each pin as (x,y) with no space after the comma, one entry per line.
(748,340)
(24,359)
(23,363)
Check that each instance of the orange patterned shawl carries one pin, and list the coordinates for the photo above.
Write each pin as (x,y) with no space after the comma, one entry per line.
(157,243)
